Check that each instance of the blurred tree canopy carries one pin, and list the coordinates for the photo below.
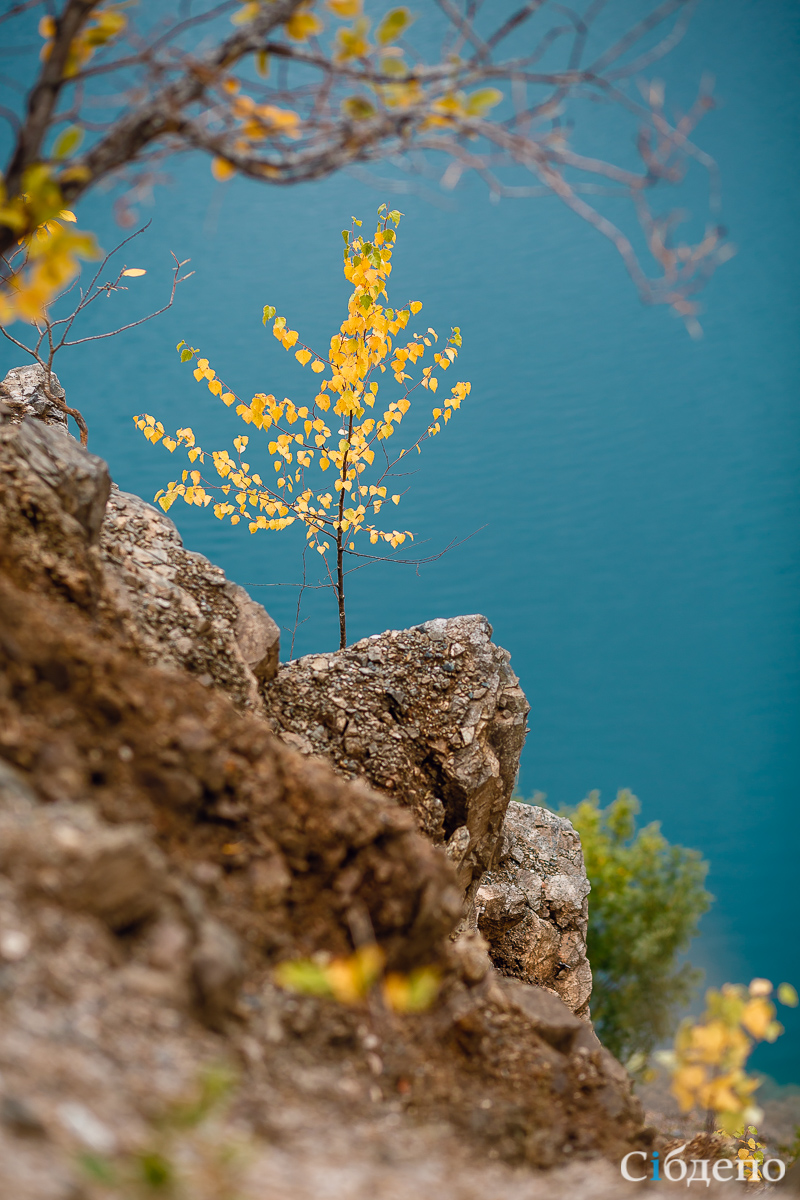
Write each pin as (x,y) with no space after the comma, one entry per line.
(646,901)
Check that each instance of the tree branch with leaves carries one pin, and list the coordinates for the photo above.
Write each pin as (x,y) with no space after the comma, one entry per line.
(293,91)
(53,332)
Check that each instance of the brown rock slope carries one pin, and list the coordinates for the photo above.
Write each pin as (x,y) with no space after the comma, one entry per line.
(159,852)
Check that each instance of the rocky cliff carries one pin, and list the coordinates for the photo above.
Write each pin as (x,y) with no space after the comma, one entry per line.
(178,815)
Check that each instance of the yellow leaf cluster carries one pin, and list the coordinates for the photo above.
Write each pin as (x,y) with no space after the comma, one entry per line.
(49,252)
(351,980)
(107,22)
(708,1071)
(342,432)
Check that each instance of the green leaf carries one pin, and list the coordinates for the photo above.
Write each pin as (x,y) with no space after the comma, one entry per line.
(357,108)
(346,236)
(186,355)
(269,313)
(303,976)
(396,67)
(395,216)
(179,345)
(479,103)
(67,141)
(98,1168)
(788,995)
(156,1170)
(392,25)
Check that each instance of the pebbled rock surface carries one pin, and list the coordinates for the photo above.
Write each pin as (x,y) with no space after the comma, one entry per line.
(532,906)
(22,391)
(179,608)
(116,554)
(433,716)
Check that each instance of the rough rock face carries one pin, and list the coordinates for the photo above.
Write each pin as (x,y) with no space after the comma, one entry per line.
(432,715)
(23,392)
(289,846)
(174,606)
(179,608)
(64,855)
(160,851)
(533,908)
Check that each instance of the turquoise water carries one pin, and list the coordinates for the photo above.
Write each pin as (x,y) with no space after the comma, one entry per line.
(635,493)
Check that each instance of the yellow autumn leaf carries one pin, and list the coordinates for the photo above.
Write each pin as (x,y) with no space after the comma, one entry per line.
(221,169)
(415,306)
(134,271)
(317,366)
(303,356)
(344,8)
(395,499)
(303,25)
(757,1016)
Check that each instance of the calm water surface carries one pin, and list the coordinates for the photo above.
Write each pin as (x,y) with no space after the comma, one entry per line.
(636,492)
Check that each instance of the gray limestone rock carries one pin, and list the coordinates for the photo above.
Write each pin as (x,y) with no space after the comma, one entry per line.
(80,480)
(122,556)
(24,393)
(532,906)
(179,608)
(432,715)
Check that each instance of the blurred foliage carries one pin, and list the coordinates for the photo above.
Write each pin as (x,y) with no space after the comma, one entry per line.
(646,901)
(708,1062)
(192,1153)
(351,980)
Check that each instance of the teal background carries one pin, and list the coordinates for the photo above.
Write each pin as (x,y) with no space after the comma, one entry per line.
(635,492)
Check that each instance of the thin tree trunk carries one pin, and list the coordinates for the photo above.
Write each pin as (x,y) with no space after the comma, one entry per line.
(340,547)
(340,588)
(340,557)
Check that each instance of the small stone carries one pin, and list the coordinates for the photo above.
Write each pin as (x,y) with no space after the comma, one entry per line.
(217,969)
(17,1115)
(458,845)
(296,741)
(85,1126)
(14,944)
(499,906)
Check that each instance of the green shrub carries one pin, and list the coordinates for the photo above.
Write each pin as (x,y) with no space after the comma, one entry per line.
(646,901)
